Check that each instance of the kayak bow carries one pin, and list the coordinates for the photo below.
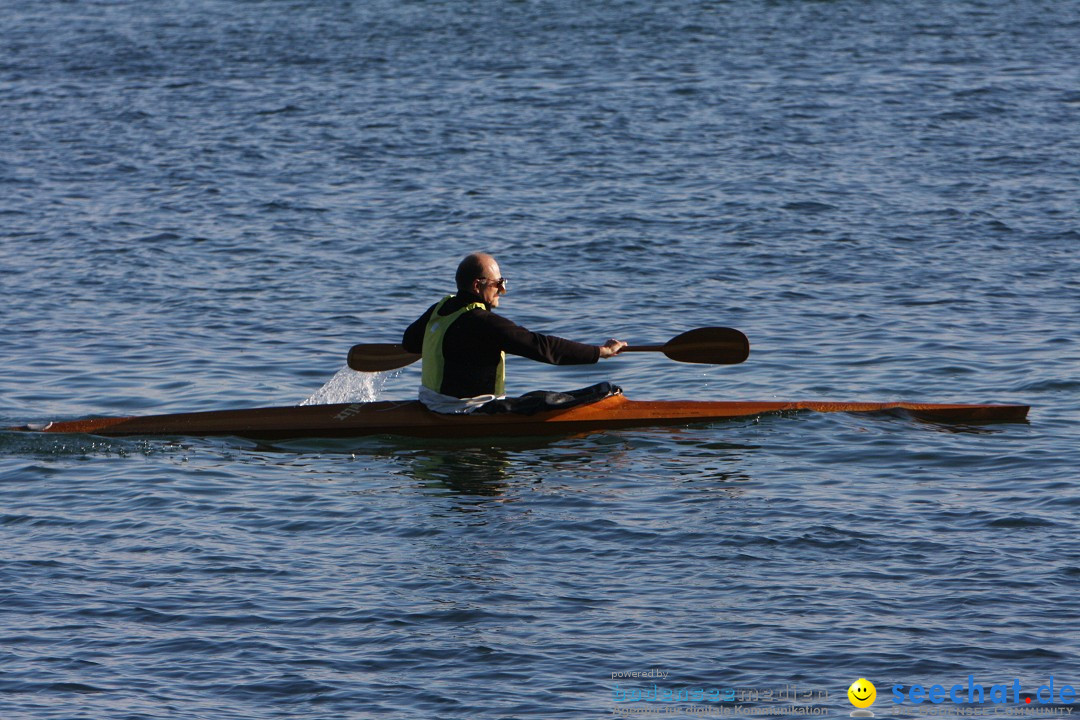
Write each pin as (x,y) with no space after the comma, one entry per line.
(410,418)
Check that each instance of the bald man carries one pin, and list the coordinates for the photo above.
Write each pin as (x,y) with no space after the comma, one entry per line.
(464,344)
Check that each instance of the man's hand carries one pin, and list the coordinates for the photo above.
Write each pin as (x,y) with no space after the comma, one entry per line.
(611,347)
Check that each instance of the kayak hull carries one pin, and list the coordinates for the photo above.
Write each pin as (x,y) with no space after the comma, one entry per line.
(410,418)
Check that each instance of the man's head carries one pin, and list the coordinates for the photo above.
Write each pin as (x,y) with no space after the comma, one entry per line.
(478,274)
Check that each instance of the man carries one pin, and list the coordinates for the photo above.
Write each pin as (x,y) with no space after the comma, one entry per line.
(464,344)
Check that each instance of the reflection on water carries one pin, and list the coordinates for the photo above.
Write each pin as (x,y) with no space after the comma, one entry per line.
(469,471)
(599,464)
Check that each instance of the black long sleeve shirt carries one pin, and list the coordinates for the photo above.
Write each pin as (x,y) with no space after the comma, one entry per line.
(473,343)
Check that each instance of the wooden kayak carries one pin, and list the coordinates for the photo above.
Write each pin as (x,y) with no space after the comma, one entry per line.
(410,418)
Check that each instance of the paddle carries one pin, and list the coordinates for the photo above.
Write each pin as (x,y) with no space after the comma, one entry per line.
(710,345)
(380,357)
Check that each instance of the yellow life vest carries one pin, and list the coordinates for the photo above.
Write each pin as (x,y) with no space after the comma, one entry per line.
(434,364)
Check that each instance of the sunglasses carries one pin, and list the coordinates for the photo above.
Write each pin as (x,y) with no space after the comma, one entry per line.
(500,283)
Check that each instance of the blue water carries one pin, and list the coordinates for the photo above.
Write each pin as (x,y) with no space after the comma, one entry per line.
(204,203)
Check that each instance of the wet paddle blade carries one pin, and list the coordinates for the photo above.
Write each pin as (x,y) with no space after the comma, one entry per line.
(380,357)
(711,345)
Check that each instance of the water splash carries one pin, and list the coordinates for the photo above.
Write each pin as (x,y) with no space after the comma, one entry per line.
(350,386)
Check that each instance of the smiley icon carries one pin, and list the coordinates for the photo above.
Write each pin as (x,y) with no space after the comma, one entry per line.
(862,693)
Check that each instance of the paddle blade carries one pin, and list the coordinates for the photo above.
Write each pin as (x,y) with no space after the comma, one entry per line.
(380,357)
(710,345)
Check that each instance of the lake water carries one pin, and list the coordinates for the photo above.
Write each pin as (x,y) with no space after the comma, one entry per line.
(204,203)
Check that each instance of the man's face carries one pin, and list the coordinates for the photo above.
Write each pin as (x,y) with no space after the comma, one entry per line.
(489,288)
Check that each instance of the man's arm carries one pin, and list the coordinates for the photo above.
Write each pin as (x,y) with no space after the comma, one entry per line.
(413,338)
(516,340)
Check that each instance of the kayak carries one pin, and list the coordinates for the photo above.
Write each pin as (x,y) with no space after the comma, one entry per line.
(410,418)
